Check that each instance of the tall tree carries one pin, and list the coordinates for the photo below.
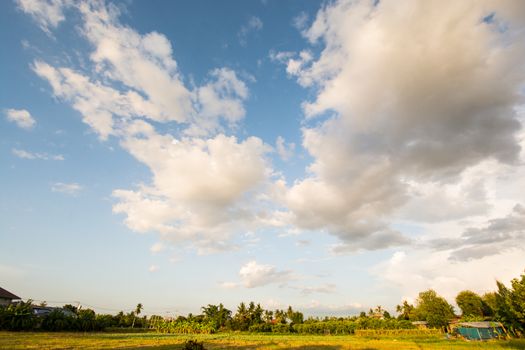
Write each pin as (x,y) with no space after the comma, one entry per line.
(489,303)
(433,309)
(241,318)
(405,311)
(510,305)
(138,310)
(268,316)
(216,315)
(470,303)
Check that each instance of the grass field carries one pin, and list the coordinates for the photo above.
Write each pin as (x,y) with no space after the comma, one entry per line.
(10,340)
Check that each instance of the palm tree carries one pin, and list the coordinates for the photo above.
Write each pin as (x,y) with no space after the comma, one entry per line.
(137,312)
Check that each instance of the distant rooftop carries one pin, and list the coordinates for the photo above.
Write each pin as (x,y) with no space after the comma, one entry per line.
(7,295)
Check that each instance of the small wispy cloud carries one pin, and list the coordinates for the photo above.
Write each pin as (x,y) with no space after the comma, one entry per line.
(157,248)
(302,243)
(285,150)
(66,188)
(20,117)
(254,24)
(154,268)
(300,21)
(48,14)
(328,288)
(23,154)
(229,285)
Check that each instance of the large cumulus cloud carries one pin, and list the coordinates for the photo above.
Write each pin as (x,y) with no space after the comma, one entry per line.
(205,185)
(409,93)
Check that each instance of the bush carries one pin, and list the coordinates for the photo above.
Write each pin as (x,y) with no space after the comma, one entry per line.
(184,326)
(193,345)
(261,328)
(18,317)
(282,328)
(57,320)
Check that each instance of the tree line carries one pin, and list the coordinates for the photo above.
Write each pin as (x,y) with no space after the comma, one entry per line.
(505,305)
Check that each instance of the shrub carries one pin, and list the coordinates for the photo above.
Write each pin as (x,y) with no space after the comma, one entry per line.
(18,317)
(193,345)
(57,320)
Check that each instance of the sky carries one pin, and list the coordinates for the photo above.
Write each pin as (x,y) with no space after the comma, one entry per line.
(333,156)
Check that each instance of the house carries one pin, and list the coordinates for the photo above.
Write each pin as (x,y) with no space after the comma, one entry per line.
(7,297)
(479,330)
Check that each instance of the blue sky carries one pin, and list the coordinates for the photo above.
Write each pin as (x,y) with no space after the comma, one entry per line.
(333,156)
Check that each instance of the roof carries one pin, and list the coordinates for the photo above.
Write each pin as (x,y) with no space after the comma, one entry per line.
(417,323)
(4,294)
(483,324)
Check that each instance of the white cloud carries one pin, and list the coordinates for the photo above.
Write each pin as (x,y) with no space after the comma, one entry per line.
(20,153)
(412,271)
(284,150)
(66,188)
(404,116)
(327,288)
(280,56)
(294,66)
(388,144)
(96,102)
(300,21)
(21,117)
(154,268)
(303,243)
(47,13)
(141,62)
(253,275)
(205,185)
(254,24)
(202,190)
(229,285)
(222,97)
(157,248)
(153,86)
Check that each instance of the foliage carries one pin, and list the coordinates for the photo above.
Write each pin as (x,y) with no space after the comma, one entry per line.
(433,309)
(184,326)
(489,303)
(470,303)
(193,345)
(217,315)
(350,325)
(405,310)
(57,320)
(397,332)
(18,317)
(510,305)
(507,306)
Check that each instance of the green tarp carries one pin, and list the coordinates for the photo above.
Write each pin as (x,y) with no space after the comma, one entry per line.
(480,333)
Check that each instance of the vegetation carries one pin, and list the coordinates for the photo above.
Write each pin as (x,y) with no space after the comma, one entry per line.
(243,341)
(433,309)
(506,305)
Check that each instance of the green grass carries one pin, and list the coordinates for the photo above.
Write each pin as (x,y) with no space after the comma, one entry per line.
(37,340)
